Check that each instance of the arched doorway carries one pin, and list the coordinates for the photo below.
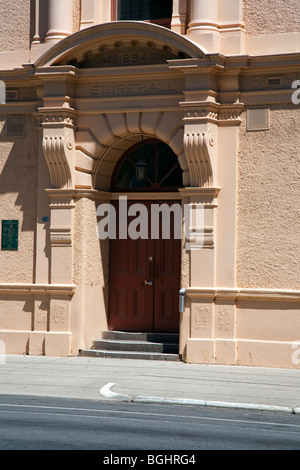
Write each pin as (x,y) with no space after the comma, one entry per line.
(144,269)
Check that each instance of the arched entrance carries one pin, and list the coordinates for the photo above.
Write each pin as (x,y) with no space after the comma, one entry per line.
(144,269)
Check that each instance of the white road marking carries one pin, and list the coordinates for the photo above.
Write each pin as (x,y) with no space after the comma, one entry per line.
(106,392)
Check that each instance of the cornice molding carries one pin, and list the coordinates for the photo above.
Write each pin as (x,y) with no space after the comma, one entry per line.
(206,196)
(216,113)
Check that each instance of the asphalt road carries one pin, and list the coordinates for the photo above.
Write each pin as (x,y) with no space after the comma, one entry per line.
(28,423)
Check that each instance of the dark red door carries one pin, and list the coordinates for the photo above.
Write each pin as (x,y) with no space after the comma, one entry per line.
(144,282)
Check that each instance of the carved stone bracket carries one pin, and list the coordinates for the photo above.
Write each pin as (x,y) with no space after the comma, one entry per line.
(59,147)
(197,149)
(201,121)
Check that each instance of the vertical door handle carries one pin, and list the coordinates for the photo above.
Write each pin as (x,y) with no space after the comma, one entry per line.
(149,271)
(149,281)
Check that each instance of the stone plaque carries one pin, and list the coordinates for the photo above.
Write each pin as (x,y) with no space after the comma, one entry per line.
(10,235)
(258,119)
(201,318)
(223,319)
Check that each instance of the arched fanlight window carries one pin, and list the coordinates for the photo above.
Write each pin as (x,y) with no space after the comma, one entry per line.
(159,12)
(150,165)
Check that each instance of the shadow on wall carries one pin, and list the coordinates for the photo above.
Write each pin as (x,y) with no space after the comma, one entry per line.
(18,174)
(19,189)
(90,266)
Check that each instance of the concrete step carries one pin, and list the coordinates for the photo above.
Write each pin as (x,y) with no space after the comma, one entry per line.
(132,345)
(144,336)
(129,345)
(129,355)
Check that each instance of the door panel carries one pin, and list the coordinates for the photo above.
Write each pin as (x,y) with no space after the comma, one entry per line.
(127,286)
(133,304)
(167,285)
(122,257)
(140,303)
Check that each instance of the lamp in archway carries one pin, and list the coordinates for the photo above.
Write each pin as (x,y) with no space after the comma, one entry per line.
(141,166)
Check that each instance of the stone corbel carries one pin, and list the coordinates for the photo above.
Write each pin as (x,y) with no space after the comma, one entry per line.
(59,149)
(197,149)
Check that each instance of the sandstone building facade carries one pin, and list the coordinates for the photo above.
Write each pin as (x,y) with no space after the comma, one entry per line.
(207,89)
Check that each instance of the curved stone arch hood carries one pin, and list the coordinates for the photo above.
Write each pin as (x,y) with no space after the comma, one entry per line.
(88,44)
(73,148)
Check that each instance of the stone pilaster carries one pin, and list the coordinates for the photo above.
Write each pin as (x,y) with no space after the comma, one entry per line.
(203,26)
(60,20)
(58,337)
(61,236)
(217,25)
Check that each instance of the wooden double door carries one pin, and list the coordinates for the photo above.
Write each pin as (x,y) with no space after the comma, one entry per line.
(144,281)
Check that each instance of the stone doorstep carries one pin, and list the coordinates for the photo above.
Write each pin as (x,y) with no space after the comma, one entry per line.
(143,346)
(141,336)
(131,345)
(129,355)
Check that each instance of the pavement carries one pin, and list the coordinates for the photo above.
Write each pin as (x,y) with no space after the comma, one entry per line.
(132,380)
